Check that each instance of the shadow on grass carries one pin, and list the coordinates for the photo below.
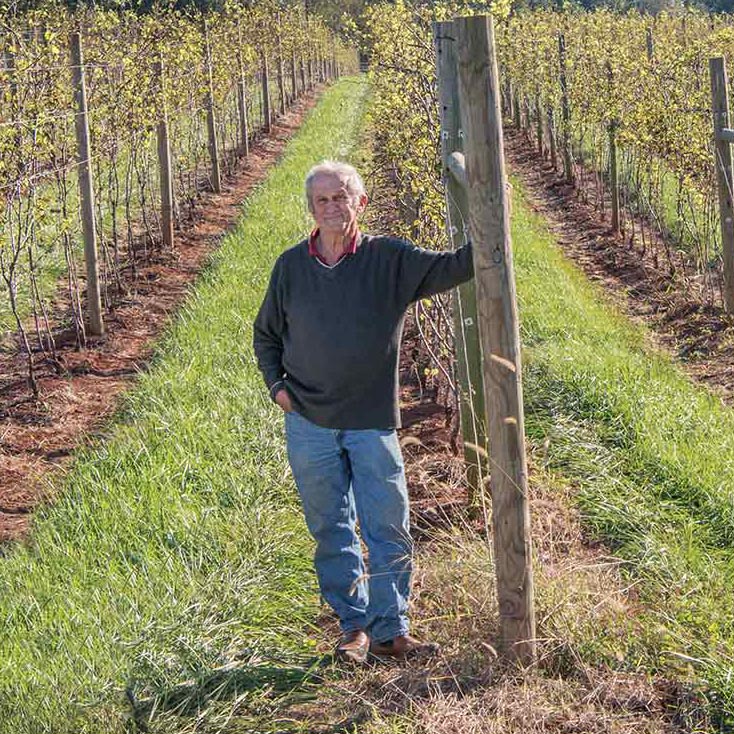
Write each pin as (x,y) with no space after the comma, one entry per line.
(273,683)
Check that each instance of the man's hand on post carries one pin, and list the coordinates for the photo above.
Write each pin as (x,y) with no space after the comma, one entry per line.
(284,400)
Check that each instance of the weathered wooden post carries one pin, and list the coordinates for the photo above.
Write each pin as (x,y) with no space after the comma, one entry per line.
(538,123)
(294,76)
(86,187)
(466,328)
(244,122)
(164,159)
(551,124)
(613,172)
(216,176)
(267,113)
(281,72)
(517,117)
(242,107)
(489,226)
(565,111)
(723,137)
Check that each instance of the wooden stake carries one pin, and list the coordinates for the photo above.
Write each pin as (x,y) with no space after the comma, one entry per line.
(86,188)
(267,113)
(294,76)
(281,73)
(565,111)
(499,332)
(613,173)
(164,160)
(724,174)
(466,328)
(211,121)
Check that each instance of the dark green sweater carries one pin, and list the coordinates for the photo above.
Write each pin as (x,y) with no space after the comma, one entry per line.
(331,336)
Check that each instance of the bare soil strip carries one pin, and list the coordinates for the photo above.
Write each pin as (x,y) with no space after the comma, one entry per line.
(81,391)
(698,335)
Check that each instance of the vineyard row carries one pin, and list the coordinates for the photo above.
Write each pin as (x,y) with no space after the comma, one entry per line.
(111,128)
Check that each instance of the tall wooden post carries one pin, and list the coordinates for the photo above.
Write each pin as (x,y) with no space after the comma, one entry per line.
(281,73)
(516,111)
(86,187)
(724,174)
(551,123)
(267,113)
(211,121)
(242,99)
(613,172)
(164,160)
(565,110)
(466,327)
(294,76)
(499,332)
(538,123)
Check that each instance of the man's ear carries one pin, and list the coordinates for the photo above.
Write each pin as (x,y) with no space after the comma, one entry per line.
(363,201)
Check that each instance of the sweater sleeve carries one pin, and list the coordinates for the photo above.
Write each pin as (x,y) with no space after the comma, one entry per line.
(424,272)
(268,330)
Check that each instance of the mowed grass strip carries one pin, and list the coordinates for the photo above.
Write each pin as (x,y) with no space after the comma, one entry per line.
(652,455)
(176,546)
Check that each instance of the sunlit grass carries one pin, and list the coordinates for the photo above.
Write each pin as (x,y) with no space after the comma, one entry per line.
(652,454)
(176,547)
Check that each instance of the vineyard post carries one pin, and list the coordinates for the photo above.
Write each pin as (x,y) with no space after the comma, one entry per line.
(516,109)
(242,98)
(310,66)
(242,107)
(86,187)
(281,71)
(613,172)
(565,110)
(489,224)
(468,351)
(650,44)
(164,159)
(538,123)
(216,177)
(551,123)
(302,72)
(294,75)
(267,115)
(724,174)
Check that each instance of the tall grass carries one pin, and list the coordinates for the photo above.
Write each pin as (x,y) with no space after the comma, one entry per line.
(174,568)
(651,453)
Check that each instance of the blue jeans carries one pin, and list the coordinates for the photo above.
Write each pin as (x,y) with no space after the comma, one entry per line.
(342,476)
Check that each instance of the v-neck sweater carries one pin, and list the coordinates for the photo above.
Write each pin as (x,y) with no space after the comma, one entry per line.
(331,336)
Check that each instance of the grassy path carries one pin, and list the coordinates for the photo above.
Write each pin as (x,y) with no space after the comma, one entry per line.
(652,455)
(177,547)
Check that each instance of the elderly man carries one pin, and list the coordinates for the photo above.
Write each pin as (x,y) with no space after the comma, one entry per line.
(327,340)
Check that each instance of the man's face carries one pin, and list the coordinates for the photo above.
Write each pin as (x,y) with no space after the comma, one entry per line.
(332,206)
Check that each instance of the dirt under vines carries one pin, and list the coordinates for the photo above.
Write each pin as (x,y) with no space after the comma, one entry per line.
(698,334)
(79,391)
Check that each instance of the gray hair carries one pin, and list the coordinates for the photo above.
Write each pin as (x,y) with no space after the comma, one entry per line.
(343,171)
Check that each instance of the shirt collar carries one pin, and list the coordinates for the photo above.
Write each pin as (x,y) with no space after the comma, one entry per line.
(349,249)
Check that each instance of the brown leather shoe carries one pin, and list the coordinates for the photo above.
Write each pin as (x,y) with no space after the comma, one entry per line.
(403,647)
(353,647)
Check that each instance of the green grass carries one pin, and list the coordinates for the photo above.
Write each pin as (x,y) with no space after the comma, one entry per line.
(177,542)
(652,455)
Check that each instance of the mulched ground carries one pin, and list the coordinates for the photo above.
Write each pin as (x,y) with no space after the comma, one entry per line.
(80,392)
(698,335)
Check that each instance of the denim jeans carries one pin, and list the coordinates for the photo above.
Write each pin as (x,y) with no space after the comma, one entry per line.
(342,476)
